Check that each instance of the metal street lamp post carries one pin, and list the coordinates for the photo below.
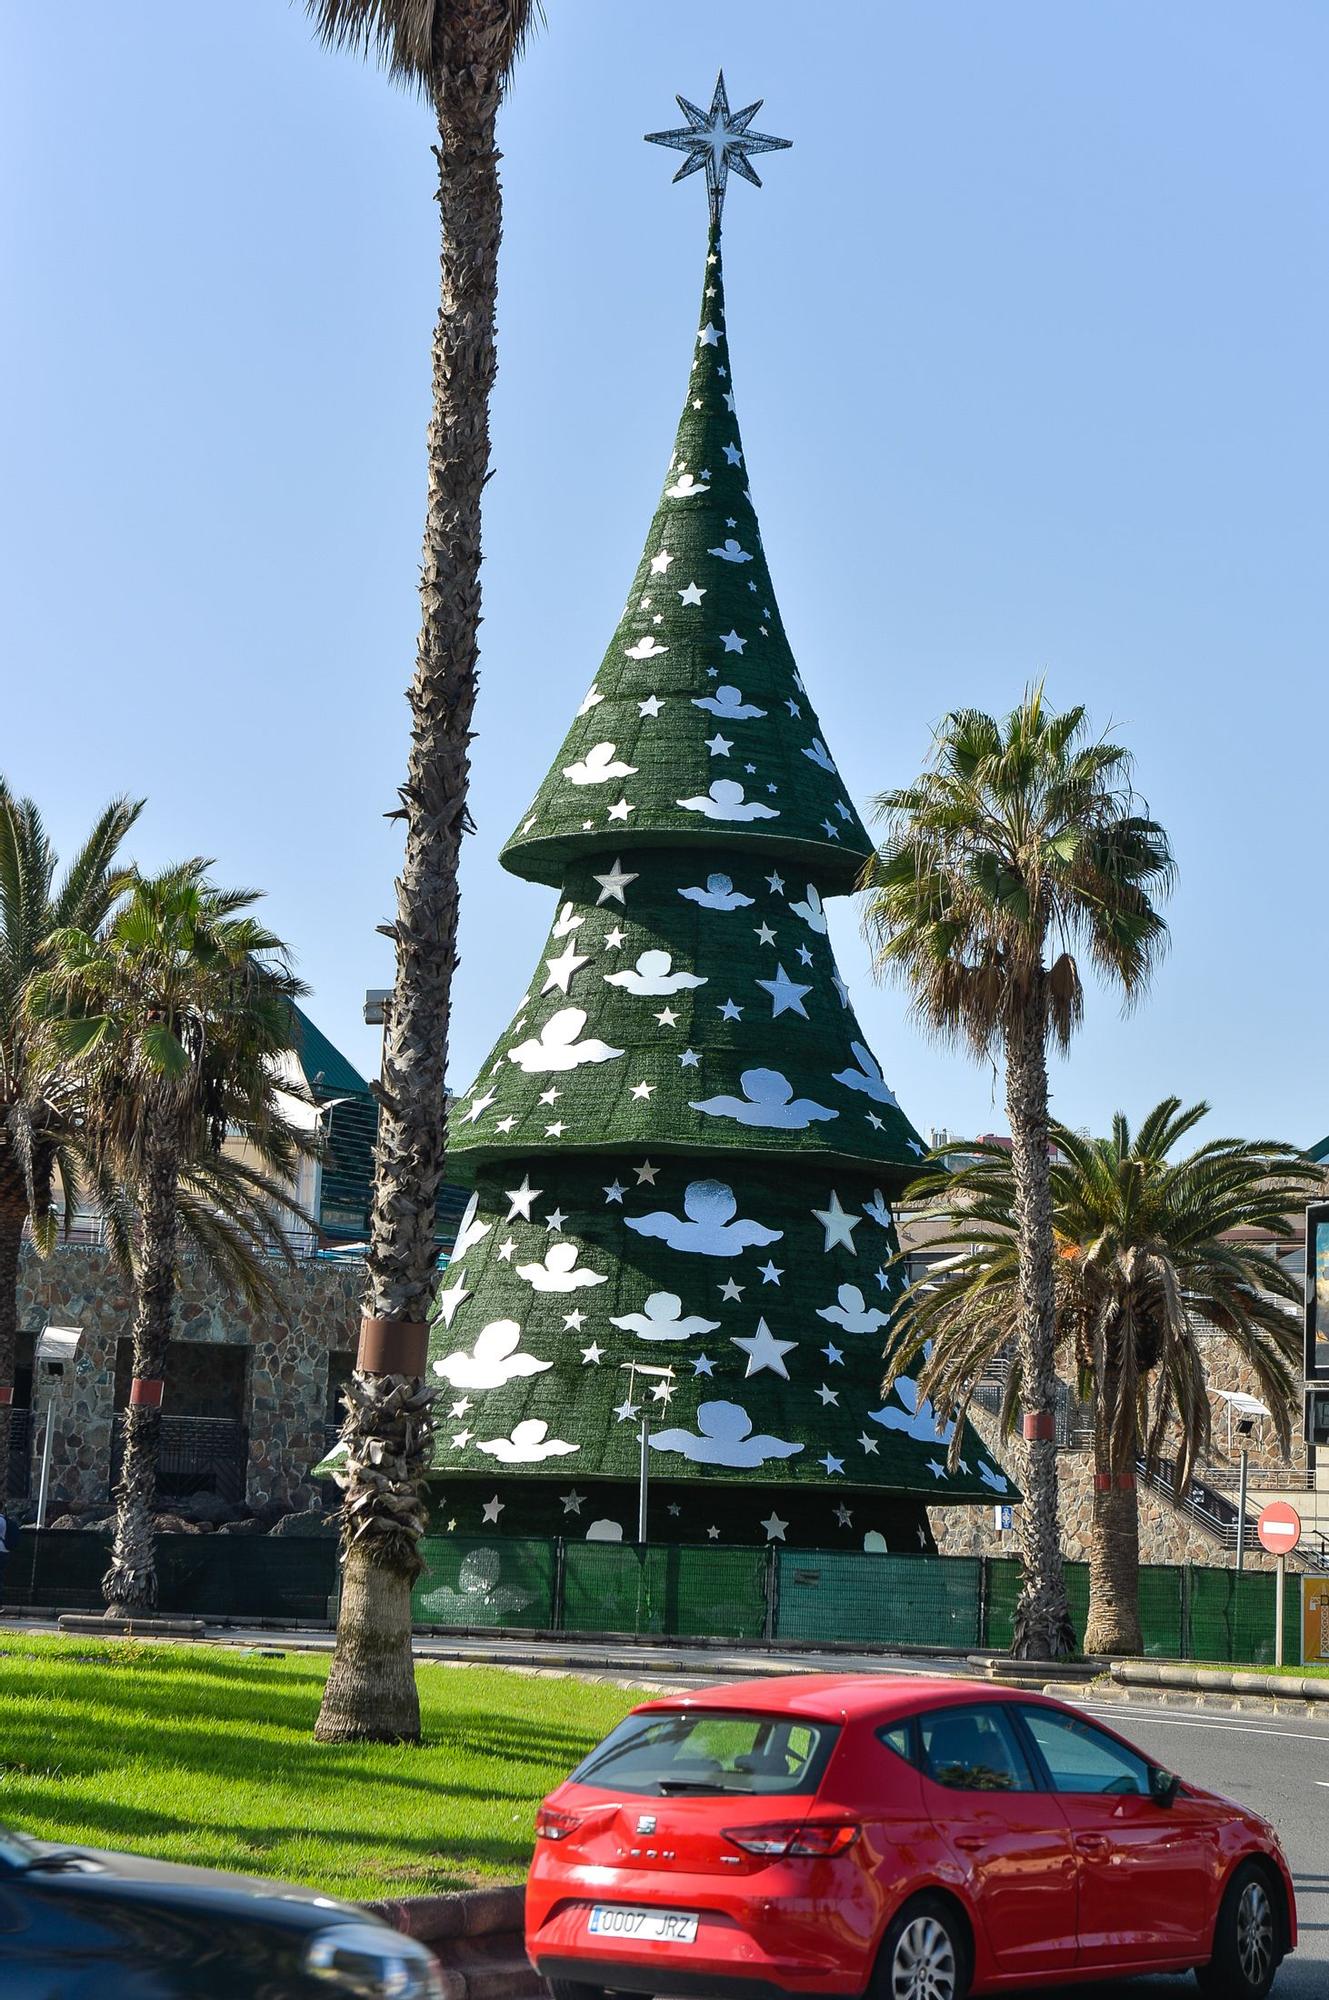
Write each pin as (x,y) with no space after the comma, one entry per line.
(635,1368)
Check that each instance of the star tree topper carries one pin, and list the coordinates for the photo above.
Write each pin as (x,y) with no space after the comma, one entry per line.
(717,140)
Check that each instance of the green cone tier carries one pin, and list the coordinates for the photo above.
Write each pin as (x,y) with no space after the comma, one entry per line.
(684,1152)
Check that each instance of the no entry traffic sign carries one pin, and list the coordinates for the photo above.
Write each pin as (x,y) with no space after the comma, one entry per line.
(1279,1528)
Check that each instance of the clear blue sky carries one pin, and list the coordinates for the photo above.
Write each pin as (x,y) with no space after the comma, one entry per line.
(1029,334)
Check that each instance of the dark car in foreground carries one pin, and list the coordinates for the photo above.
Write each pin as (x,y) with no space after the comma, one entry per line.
(908,1838)
(80,1924)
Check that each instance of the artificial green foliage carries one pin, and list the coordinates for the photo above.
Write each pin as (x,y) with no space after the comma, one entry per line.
(701,618)
(683,1152)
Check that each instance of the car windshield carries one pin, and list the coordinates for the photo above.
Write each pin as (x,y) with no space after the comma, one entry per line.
(703,1751)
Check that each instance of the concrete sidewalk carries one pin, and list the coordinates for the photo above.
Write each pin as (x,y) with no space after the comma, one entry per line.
(642,1661)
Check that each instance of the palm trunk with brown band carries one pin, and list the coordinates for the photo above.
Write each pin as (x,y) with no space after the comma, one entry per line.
(393,1347)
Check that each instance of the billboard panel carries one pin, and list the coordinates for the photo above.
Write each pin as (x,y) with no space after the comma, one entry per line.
(1317,1292)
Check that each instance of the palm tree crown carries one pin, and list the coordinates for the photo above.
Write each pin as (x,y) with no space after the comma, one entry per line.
(407,36)
(1021,835)
(175,1014)
(37,1097)
(1150,1252)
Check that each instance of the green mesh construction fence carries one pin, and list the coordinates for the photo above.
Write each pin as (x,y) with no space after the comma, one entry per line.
(218,1576)
(1185,1613)
(1231,1617)
(812,1597)
(711,1593)
(878,1600)
(484,1584)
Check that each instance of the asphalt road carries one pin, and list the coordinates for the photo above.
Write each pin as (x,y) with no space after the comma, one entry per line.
(1277,1764)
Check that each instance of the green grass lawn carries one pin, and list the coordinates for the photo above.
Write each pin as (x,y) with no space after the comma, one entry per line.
(196,1753)
(1289,1667)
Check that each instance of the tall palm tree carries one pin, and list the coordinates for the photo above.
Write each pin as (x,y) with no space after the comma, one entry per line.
(1149,1251)
(38,1109)
(1020,844)
(458,54)
(173,1015)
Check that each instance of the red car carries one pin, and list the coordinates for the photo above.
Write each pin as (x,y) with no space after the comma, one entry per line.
(906,1838)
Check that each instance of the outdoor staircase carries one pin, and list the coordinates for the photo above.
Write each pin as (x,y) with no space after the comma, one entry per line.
(1215,1511)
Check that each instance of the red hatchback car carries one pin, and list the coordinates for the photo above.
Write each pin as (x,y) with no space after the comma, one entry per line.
(906,1838)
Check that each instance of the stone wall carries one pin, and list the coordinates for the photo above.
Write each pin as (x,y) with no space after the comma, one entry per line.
(287,1350)
(1167,1533)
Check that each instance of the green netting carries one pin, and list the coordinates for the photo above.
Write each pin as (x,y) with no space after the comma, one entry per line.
(1232,1617)
(247,1576)
(1003,1591)
(473,1582)
(1162,1611)
(1185,1613)
(880,1600)
(58,1567)
(713,1593)
(218,1576)
(677,1592)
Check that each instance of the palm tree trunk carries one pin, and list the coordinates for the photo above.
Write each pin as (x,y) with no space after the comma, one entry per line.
(13,1214)
(130,1584)
(1042,1624)
(1114,1551)
(371,1688)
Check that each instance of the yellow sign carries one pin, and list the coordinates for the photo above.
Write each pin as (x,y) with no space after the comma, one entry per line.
(1314,1621)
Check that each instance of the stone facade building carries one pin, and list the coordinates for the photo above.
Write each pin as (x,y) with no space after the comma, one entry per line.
(252,1394)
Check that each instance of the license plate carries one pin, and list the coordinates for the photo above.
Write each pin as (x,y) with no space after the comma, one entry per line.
(653,1926)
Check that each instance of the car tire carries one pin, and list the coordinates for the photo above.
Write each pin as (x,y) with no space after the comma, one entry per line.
(925,1953)
(1247,1939)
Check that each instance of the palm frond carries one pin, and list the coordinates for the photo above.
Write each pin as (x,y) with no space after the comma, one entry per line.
(407,37)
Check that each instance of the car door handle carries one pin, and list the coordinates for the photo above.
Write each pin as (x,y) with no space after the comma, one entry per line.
(1092,1843)
(971,1843)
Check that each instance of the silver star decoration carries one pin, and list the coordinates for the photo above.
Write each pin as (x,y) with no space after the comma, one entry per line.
(718,141)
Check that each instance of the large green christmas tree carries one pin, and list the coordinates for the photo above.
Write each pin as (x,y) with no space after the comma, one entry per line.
(684,1153)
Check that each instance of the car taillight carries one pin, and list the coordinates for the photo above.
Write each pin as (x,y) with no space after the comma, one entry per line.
(810,1838)
(551,1824)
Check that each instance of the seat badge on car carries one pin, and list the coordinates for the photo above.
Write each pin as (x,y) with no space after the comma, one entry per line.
(646,1824)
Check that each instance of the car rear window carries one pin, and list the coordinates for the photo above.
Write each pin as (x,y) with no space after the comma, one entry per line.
(705,1751)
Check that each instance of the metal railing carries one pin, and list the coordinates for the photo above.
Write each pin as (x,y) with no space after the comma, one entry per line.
(1074,1419)
(197,1455)
(1260,1478)
(1217,1516)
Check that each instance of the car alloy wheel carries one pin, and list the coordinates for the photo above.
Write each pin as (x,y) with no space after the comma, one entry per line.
(1255,1935)
(923,1964)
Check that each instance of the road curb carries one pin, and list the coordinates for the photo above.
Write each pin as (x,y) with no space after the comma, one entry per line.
(1219,1680)
(477,1937)
(1194,1700)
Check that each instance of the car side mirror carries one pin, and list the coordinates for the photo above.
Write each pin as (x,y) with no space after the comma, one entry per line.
(1163,1787)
